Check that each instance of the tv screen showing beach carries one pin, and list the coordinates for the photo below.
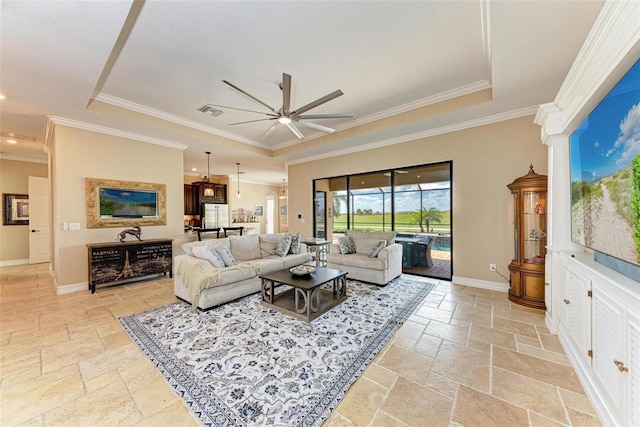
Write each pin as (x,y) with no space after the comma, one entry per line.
(605,173)
(124,203)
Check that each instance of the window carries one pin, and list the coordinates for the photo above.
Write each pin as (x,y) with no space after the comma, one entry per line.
(414,201)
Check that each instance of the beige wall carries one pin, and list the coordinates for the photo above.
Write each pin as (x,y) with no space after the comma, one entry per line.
(79,154)
(14,178)
(485,159)
(252,195)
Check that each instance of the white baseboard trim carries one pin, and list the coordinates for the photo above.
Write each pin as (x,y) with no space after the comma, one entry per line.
(12,262)
(483,284)
(68,289)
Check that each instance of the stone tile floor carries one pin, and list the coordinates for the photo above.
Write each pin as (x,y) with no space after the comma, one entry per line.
(466,357)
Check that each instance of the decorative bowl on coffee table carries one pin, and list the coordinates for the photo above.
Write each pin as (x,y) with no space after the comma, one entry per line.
(302,270)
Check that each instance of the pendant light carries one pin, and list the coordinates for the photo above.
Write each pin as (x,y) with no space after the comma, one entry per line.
(208,190)
(238,195)
(283,193)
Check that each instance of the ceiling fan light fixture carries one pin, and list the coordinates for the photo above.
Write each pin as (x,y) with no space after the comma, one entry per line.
(284,120)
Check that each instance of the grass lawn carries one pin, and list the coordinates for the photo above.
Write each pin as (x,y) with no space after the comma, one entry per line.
(379,222)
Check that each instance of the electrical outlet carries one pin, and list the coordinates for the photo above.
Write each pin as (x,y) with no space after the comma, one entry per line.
(492,267)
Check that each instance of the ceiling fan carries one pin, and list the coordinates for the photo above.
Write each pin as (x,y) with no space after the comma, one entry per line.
(287,117)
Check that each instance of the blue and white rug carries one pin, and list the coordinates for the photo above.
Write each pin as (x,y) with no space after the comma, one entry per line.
(242,364)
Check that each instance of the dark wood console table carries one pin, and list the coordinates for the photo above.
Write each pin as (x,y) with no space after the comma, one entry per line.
(116,263)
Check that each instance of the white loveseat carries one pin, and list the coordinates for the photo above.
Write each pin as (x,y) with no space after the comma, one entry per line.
(197,281)
(381,269)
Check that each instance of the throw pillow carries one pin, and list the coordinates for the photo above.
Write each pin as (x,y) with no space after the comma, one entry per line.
(295,244)
(346,245)
(284,243)
(377,247)
(206,252)
(225,254)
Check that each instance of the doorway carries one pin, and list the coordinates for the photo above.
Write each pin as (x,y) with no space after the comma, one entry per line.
(39,214)
(320,216)
(270,214)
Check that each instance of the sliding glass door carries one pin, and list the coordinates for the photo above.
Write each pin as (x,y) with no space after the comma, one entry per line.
(415,201)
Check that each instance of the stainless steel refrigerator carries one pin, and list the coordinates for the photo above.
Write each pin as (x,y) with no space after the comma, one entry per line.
(215,215)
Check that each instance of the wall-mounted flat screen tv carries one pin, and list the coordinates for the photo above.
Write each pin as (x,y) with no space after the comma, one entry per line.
(605,174)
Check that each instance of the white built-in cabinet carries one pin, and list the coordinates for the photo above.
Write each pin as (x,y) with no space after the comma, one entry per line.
(599,329)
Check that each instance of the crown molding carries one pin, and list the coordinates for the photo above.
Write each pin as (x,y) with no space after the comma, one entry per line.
(114,132)
(614,35)
(481,121)
(440,97)
(23,158)
(132,106)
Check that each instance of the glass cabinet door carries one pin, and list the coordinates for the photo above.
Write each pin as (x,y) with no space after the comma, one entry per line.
(516,227)
(534,223)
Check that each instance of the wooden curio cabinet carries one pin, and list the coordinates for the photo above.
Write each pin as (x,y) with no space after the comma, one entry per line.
(530,239)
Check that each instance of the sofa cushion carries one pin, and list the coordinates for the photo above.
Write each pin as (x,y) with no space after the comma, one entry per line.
(234,274)
(364,240)
(358,260)
(245,248)
(294,260)
(207,252)
(268,243)
(284,243)
(346,245)
(270,264)
(377,247)
(295,244)
(226,255)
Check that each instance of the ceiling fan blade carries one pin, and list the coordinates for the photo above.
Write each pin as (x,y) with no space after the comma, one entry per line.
(242,109)
(250,96)
(286,93)
(318,102)
(295,130)
(251,121)
(317,126)
(324,116)
(271,128)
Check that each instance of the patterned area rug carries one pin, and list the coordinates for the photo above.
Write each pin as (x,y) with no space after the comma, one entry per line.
(242,364)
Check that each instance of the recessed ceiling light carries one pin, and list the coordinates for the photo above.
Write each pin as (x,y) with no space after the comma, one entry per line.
(2,97)
(12,141)
(194,169)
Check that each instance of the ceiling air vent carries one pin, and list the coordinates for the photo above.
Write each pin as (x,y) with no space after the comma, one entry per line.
(209,109)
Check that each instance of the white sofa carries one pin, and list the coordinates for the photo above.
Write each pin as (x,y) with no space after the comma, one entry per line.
(197,281)
(383,268)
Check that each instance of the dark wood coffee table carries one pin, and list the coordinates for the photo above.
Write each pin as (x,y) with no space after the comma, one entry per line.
(306,300)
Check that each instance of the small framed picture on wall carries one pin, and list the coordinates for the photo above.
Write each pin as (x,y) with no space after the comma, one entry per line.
(259,210)
(283,210)
(15,209)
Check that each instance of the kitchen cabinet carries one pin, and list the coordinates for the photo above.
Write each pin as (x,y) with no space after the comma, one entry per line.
(191,200)
(209,192)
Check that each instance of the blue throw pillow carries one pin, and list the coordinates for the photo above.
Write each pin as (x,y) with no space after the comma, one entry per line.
(207,252)
(225,254)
